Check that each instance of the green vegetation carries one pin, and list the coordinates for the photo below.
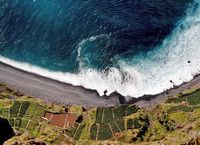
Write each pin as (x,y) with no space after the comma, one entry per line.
(23,108)
(11,121)
(120,124)
(30,110)
(131,110)
(39,113)
(24,123)
(99,115)
(15,109)
(93,132)
(32,125)
(78,132)
(17,123)
(181,108)
(104,132)
(174,121)
(71,131)
(108,115)
(120,111)
(130,124)
(192,98)
(115,128)
(5,112)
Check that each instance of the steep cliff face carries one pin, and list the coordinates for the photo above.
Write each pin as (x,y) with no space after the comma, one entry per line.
(6,131)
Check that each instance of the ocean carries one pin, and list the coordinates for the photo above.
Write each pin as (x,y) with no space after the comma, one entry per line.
(134,47)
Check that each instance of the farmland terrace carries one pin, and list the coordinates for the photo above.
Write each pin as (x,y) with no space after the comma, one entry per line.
(34,121)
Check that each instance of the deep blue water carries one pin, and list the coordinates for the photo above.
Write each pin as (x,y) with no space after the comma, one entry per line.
(50,33)
(135,47)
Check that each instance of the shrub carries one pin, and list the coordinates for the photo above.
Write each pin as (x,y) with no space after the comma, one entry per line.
(137,123)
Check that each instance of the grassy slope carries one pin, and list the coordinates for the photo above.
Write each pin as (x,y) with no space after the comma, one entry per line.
(175,121)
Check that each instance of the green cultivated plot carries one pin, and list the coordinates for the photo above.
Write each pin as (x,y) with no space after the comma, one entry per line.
(93,132)
(39,113)
(104,132)
(120,111)
(5,112)
(71,131)
(31,110)
(181,108)
(99,114)
(130,124)
(15,109)
(17,123)
(32,125)
(108,115)
(192,98)
(78,132)
(114,127)
(120,123)
(24,123)
(23,108)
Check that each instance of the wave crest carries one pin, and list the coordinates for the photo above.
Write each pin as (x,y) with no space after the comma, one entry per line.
(147,73)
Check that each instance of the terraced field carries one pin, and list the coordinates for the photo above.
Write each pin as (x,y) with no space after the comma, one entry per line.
(111,123)
(178,112)
(175,121)
(23,115)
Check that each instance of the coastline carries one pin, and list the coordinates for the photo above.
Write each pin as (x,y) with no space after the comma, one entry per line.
(151,101)
(62,93)
(52,90)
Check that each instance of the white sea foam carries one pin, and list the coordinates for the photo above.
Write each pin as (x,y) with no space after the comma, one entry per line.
(149,74)
(81,58)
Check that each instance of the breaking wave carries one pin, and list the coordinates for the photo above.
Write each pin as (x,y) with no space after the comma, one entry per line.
(174,61)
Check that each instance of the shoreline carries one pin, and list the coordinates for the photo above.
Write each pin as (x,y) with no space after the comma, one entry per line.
(151,101)
(52,90)
(62,93)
